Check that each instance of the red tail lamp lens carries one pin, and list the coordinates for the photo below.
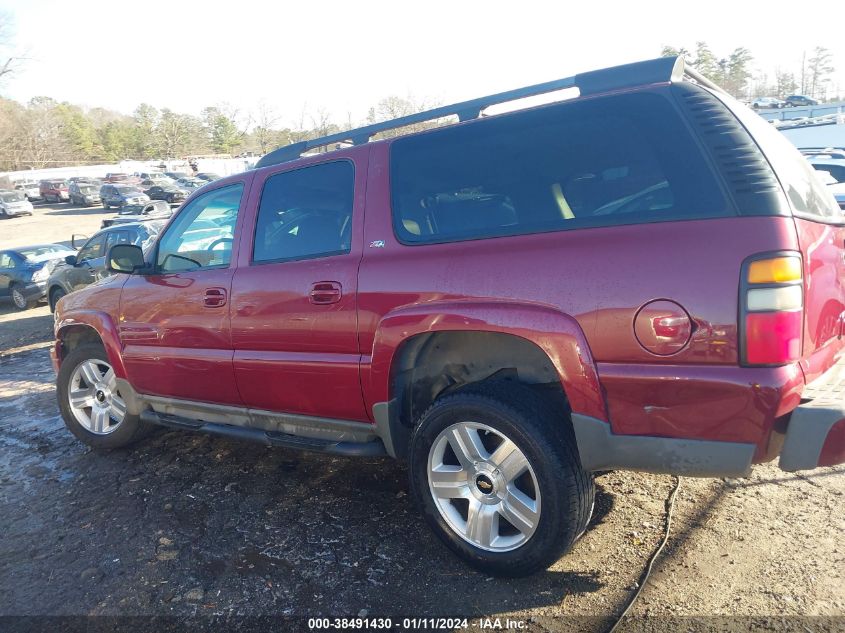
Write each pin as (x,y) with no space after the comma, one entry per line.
(772,338)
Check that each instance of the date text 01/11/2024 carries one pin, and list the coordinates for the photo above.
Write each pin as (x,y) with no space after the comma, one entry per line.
(415,624)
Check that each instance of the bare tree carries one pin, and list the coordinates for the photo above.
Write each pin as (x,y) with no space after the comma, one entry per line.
(10,59)
(394,107)
(819,71)
(785,83)
(265,134)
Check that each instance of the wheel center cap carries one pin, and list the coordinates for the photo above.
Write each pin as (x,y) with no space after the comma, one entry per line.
(484,484)
(100,396)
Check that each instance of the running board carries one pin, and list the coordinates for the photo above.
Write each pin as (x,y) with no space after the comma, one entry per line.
(374,448)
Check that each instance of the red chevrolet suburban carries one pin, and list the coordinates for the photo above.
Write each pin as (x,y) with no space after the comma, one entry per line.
(646,276)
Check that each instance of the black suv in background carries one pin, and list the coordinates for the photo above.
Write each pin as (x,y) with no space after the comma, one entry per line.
(800,100)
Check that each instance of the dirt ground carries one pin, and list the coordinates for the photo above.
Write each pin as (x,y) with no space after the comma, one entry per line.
(189,525)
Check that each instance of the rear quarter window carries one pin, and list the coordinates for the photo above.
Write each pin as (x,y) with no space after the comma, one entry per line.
(808,196)
(623,159)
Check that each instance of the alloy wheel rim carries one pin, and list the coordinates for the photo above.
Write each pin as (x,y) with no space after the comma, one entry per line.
(94,398)
(484,486)
(18,298)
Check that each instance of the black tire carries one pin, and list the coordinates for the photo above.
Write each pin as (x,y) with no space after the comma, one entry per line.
(129,431)
(105,205)
(55,294)
(543,433)
(19,299)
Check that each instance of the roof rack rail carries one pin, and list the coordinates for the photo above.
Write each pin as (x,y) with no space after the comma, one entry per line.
(661,70)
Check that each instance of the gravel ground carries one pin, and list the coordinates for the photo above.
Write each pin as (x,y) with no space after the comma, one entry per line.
(190,525)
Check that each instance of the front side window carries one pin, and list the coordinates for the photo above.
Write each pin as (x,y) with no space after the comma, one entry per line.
(305,213)
(201,236)
(623,159)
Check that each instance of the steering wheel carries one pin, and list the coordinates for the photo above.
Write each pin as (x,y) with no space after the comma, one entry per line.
(219,240)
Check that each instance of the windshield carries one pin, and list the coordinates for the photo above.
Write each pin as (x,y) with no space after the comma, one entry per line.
(48,251)
(127,190)
(11,196)
(88,189)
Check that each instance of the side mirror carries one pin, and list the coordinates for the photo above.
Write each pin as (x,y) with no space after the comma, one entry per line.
(125,258)
(78,238)
(70,260)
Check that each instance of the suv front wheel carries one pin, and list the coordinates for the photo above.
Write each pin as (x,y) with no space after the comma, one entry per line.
(495,471)
(91,403)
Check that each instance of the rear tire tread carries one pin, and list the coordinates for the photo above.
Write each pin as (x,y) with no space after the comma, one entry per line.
(550,428)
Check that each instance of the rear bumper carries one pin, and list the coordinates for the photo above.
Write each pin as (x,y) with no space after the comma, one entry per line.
(35,290)
(815,434)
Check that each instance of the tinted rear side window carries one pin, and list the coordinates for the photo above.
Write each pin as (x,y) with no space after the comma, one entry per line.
(614,160)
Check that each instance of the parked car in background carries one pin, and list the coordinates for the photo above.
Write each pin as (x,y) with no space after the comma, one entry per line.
(86,266)
(156,176)
(767,103)
(799,100)
(152,210)
(191,183)
(13,203)
(118,195)
(121,178)
(84,193)
(207,176)
(29,188)
(176,175)
(54,190)
(170,193)
(833,166)
(24,272)
(144,185)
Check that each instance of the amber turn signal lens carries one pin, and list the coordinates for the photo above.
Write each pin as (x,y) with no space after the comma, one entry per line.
(775,270)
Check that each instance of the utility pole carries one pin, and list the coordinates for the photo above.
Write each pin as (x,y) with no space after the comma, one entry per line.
(803,73)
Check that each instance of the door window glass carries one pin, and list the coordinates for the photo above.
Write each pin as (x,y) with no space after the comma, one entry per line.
(118,237)
(306,213)
(202,234)
(93,249)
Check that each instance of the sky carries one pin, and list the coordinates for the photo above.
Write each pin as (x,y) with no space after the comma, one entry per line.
(343,57)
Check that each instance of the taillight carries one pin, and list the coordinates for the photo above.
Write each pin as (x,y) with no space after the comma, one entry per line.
(771,310)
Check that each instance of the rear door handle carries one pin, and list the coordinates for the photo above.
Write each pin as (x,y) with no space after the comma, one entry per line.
(325,292)
(214,297)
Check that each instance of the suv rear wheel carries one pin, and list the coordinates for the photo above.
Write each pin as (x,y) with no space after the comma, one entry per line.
(90,401)
(495,471)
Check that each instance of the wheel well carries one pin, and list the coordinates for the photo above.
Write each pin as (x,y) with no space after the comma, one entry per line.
(433,364)
(73,336)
